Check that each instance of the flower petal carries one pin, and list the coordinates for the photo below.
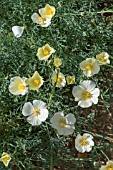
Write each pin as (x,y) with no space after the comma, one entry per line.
(33,120)
(85,103)
(77,92)
(71,118)
(43,115)
(27,109)
(39,104)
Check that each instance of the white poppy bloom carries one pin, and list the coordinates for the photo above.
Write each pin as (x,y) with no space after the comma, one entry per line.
(37,113)
(90,67)
(86,93)
(84,143)
(18,86)
(17,31)
(63,124)
(103,58)
(43,22)
(61,81)
(108,166)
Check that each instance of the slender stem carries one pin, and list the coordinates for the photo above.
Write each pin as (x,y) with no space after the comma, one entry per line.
(103,153)
(104,103)
(109,65)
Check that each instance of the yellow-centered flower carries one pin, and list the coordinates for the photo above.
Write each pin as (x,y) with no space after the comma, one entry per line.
(45,52)
(70,79)
(60,80)
(57,62)
(103,58)
(5,158)
(18,86)
(108,166)
(47,12)
(35,82)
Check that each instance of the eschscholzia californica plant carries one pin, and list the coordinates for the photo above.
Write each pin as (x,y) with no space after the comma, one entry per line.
(86,94)
(57,62)
(43,22)
(90,66)
(37,113)
(59,80)
(18,86)
(6,158)
(84,143)
(63,124)
(103,58)
(47,12)
(70,79)
(108,166)
(35,82)
(45,52)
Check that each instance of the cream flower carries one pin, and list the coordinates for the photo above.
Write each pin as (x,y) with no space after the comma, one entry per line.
(57,62)
(47,12)
(35,82)
(90,67)
(63,124)
(103,58)
(70,79)
(43,22)
(18,86)
(37,113)
(61,82)
(45,52)
(5,158)
(17,31)
(86,93)
(108,166)
(84,143)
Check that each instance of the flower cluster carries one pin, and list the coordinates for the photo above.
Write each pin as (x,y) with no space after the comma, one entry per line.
(86,93)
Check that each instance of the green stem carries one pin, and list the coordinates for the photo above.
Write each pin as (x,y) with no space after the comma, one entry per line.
(109,65)
(105,103)
(103,153)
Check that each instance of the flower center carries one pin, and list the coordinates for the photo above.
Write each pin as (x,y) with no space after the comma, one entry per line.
(36,82)
(46,52)
(36,111)
(103,60)
(41,20)
(21,87)
(86,95)
(59,80)
(84,142)
(62,122)
(110,167)
(89,67)
(49,11)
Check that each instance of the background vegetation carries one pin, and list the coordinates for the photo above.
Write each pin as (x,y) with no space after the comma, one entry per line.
(80,29)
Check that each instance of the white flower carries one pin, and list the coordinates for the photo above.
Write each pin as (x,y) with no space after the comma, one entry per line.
(90,67)
(84,143)
(86,93)
(18,86)
(37,113)
(17,31)
(61,82)
(63,124)
(103,58)
(108,166)
(43,22)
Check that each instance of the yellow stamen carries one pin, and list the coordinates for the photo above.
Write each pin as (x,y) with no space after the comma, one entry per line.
(89,67)
(110,167)
(49,11)
(86,95)
(103,60)
(46,52)
(36,111)
(84,142)
(21,87)
(62,123)
(59,80)
(36,82)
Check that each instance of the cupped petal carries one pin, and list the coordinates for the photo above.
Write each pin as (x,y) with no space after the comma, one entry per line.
(77,92)
(33,120)
(87,135)
(94,100)
(27,109)
(43,115)
(85,103)
(95,92)
(35,18)
(96,68)
(39,104)
(68,130)
(71,119)
(17,31)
